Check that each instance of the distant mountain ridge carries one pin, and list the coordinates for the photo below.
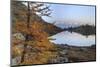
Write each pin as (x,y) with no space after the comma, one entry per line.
(83,29)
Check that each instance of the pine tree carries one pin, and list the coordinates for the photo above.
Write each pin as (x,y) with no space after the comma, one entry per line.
(37,39)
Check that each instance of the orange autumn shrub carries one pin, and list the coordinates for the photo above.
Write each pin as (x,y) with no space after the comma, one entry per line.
(39,43)
(21,27)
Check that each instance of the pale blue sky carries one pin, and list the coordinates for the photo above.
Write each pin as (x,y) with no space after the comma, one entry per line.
(75,14)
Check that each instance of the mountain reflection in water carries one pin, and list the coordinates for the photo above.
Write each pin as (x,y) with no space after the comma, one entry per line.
(72,38)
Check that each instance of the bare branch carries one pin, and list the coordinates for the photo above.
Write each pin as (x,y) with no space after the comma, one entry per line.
(36,5)
(41,9)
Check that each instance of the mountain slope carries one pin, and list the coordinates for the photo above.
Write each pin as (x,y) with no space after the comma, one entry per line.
(35,47)
(19,14)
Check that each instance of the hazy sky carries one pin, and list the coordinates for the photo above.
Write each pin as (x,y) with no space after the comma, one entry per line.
(73,14)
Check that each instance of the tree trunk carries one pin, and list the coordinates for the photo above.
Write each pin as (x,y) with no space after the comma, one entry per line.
(27,36)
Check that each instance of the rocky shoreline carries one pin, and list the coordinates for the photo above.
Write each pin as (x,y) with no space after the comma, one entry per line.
(76,54)
(68,54)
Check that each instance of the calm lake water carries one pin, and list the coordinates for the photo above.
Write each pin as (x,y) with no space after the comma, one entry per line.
(74,39)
